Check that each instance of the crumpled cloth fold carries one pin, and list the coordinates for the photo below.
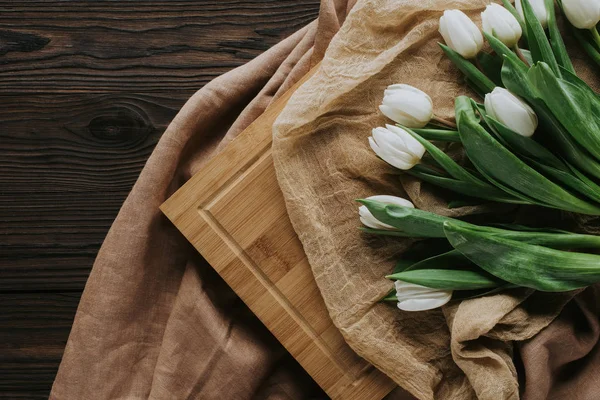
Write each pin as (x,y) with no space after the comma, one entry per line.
(323,161)
(156,322)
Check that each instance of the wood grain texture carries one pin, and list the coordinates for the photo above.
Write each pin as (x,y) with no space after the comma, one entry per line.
(234,214)
(33,332)
(86,90)
(125,46)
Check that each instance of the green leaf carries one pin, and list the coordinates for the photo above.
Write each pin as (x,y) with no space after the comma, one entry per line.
(582,177)
(524,228)
(440,135)
(495,161)
(556,42)
(491,66)
(522,264)
(527,55)
(575,107)
(426,169)
(544,161)
(482,191)
(483,83)
(420,223)
(412,221)
(453,279)
(451,166)
(518,83)
(549,237)
(391,296)
(524,145)
(514,78)
(475,88)
(536,37)
(403,265)
(505,52)
(515,193)
(490,292)
(577,81)
(567,179)
(447,260)
(385,232)
(422,250)
(587,44)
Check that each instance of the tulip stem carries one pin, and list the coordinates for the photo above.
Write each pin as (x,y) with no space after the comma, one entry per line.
(443,121)
(596,36)
(520,55)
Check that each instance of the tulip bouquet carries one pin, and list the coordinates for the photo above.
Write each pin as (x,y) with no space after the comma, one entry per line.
(534,140)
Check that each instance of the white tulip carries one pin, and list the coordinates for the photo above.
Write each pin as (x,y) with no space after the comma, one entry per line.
(582,14)
(499,22)
(511,111)
(413,297)
(370,221)
(396,146)
(539,9)
(407,105)
(460,33)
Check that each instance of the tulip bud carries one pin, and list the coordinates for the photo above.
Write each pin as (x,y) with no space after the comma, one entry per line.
(460,33)
(499,22)
(413,297)
(582,14)
(511,111)
(539,9)
(396,146)
(407,105)
(370,221)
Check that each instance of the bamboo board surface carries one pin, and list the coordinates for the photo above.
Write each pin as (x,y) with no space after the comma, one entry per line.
(234,214)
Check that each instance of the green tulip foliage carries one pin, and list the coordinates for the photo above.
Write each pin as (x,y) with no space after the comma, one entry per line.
(557,168)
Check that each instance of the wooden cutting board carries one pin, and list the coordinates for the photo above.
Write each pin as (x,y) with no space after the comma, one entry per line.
(234,213)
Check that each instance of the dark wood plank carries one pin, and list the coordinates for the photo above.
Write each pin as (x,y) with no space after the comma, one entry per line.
(86,90)
(33,332)
(125,46)
(67,162)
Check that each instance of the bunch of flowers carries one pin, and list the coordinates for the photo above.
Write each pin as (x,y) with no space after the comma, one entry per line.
(534,140)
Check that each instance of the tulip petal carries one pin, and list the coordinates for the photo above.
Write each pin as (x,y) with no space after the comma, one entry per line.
(416,109)
(511,111)
(397,161)
(413,297)
(386,199)
(582,14)
(393,145)
(370,221)
(374,224)
(413,146)
(460,33)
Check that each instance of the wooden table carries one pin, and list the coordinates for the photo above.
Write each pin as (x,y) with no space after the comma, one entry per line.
(86,90)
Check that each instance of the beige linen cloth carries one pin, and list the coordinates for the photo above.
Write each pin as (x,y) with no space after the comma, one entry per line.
(155,322)
(324,162)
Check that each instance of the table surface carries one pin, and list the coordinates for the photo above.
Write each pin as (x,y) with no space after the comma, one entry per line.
(86,90)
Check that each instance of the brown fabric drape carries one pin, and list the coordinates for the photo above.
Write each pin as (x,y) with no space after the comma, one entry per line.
(156,322)
(465,350)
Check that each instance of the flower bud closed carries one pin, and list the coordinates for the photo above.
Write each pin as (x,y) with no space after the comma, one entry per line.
(582,14)
(413,297)
(396,146)
(499,22)
(539,9)
(511,111)
(407,105)
(460,33)
(370,221)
